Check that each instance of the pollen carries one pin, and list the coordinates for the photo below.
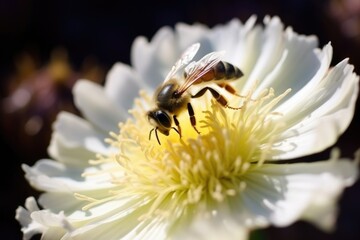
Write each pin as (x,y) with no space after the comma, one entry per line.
(181,173)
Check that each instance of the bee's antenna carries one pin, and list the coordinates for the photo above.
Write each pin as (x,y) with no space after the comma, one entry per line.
(156,134)
(157,137)
(151,133)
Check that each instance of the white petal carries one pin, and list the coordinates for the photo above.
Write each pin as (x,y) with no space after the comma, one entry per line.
(122,85)
(301,64)
(75,132)
(282,194)
(46,218)
(70,155)
(35,221)
(72,206)
(153,60)
(286,62)
(308,81)
(118,220)
(267,53)
(189,34)
(29,227)
(232,38)
(322,116)
(92,101)
(52,233)
(225,37)
(51,176)
(60,201)
(111,230)
(125,229)
(211,225)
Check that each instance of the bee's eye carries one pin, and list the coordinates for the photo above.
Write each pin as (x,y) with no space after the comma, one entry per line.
(163,118)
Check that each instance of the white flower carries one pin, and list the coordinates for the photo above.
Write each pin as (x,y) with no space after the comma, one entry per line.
(220,184)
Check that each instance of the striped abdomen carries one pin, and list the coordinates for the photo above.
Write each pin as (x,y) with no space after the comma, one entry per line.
(221,71)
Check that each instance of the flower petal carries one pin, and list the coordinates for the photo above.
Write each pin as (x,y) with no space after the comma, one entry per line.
(219,224)
(49,219)
(152,60)
(29,227)
(308,81)
(60,201)
(189,34)
(75,140)
(92,101)
(236,39)
(281,194)
(122,86)
(103,221)
(298,65)
(264,53)
(322,116)
(76,156)
(34,221)
(51,176)
(75,132)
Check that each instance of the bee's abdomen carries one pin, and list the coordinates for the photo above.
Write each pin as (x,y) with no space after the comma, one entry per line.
(221,71)
(226,71)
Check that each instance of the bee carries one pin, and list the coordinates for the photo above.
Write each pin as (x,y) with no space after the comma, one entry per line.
(172,98)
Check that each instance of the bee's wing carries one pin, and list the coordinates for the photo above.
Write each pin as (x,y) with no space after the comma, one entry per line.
(185,58)
(195,70)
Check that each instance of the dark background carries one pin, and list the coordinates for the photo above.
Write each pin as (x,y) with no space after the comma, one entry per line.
(104,30)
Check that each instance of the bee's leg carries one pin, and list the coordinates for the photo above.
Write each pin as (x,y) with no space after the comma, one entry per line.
(218,97)
(231,90)
(176,121)
(192,117)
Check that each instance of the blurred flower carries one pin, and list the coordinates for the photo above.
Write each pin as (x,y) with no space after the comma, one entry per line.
(36,95)
(347,15)
(217,185)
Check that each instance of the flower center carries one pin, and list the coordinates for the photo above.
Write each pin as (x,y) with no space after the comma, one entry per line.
(184,172)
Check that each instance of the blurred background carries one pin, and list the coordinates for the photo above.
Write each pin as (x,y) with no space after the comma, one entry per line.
(47,45)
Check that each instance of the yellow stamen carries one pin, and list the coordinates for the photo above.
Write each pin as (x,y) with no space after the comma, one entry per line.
(181,173)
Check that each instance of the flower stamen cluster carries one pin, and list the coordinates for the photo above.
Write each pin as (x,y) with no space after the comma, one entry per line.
(189,171)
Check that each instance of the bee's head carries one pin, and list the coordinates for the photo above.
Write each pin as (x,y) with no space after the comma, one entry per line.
(160,120)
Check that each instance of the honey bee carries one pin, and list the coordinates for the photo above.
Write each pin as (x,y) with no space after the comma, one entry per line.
(172,98)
